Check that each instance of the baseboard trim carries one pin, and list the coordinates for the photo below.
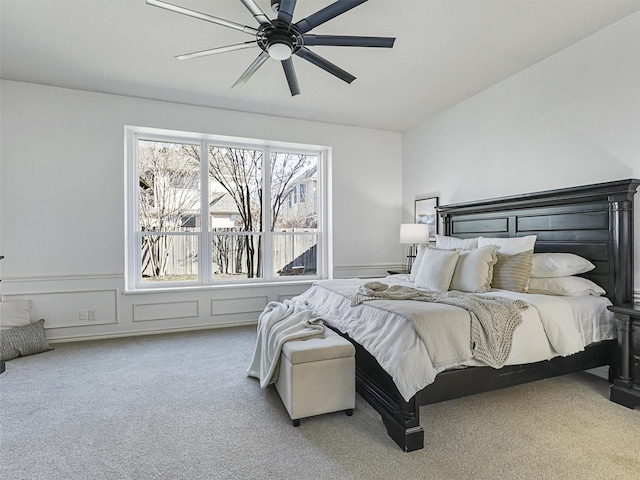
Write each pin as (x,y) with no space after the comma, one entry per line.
(156,331)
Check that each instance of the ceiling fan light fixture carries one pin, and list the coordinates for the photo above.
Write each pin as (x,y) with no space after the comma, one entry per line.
(279,50)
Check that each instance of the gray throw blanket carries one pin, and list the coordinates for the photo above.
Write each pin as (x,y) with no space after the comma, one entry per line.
(493,319)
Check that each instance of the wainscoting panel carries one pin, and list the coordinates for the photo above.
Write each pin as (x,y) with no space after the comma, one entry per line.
(284,296)
(227,306)
(88,308)
(145,312)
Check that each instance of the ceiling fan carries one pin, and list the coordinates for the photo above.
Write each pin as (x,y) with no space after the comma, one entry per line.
(280,38)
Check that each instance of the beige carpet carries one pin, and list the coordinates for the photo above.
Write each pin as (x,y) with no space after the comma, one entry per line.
(180,407)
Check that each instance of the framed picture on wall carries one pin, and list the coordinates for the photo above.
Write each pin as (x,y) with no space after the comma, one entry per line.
(425,212)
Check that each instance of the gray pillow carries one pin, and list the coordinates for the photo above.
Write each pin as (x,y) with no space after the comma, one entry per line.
(23,341)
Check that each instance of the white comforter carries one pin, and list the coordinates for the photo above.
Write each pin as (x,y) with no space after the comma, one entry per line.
(549,328)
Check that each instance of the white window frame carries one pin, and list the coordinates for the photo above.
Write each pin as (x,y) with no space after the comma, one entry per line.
(133,261)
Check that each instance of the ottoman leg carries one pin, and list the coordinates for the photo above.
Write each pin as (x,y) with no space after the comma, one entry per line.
(349,412)
(296,422)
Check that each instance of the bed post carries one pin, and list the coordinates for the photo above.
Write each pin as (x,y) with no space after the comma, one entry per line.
(401,418)
(375,385)
(621,208)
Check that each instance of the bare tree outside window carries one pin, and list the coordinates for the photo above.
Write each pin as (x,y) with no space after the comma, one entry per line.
(295,223)
(168,199)
(238,173)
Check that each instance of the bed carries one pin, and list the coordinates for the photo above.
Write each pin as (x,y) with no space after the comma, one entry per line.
(593,221)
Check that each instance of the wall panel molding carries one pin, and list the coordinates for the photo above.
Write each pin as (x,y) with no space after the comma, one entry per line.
(60,309)
(58,278)
(148,312)
(155,331)
(236,305)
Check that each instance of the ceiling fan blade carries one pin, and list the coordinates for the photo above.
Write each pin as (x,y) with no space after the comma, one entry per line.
(202,16)
(257,13)
(285,11)
(348,41)
(214,51)
(324,64)
(326,14)
(292,79)
(255,65)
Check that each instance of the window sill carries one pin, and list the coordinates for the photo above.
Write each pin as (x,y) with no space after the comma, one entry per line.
(227,286)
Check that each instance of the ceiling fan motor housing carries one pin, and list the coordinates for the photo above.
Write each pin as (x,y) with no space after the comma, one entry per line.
(280,42)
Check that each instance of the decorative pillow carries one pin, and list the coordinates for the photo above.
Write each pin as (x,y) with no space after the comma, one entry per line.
(416,262)
(511,245)
(23,341)
(15,314)
(436,269)
(449,243)
(512,272)
(545,265)
(474,270)
(567,286)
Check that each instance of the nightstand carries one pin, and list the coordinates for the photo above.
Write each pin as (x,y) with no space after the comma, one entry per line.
(626,386)
(396,272)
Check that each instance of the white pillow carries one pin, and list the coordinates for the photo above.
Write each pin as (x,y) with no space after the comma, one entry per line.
(474,270)
(546,265)
(449,243)
(567,286)
(509,245)
(15,314)
(416,262)
(436,269)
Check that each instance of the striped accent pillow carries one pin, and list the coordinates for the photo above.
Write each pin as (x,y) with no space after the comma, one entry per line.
(512,272)
(23,341)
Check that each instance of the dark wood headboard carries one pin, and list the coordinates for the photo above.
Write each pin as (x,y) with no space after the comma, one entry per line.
(593,221)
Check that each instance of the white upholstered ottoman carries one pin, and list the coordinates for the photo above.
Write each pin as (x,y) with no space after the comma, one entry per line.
(317,376)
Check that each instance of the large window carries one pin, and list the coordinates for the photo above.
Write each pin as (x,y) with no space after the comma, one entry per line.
(206,210)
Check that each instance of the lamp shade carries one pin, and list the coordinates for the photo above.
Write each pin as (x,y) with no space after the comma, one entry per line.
(414,233)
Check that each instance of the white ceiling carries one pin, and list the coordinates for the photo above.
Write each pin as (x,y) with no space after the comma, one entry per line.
(446,51)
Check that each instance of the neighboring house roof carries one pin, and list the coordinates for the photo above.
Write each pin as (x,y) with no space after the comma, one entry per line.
(222,203)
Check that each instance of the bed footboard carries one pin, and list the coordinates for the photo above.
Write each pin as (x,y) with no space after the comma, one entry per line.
(401,418)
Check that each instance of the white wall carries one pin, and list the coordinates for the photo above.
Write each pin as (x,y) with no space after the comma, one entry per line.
(569,120)
(62,207)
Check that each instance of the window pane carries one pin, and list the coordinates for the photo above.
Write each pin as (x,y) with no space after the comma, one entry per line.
(235,180)
(169,258)
(294,179)
(236,256)
(169,176)
(295,254)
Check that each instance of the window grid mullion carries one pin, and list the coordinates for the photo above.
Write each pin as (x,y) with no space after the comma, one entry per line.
(267,265)
(136,238)
(204,249)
